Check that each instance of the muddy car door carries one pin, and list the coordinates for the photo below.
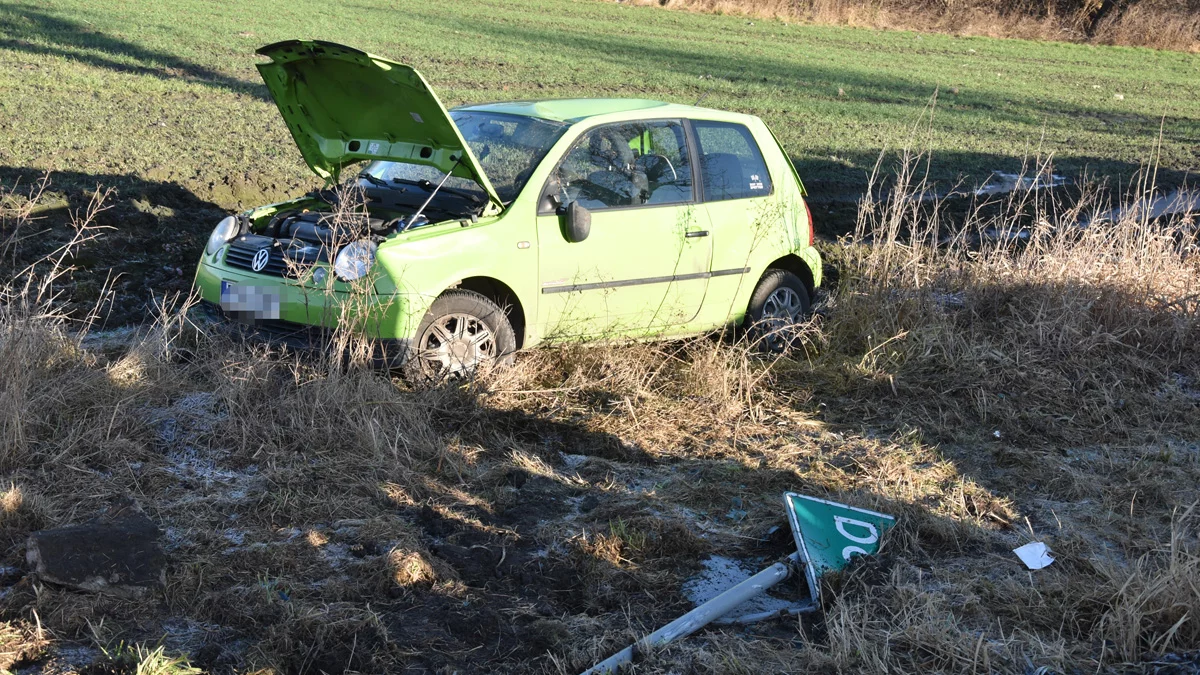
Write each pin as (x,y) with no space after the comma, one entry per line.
(643,266)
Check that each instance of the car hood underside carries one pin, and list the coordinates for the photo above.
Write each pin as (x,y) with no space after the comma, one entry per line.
(344,106)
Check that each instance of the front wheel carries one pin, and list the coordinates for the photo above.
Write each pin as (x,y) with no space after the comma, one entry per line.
(461,333)
(778,304)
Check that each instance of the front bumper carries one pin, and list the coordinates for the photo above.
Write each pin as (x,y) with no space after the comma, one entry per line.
(305,317)
(373,315)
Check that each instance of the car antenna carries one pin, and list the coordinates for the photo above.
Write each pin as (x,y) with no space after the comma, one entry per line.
(432,194)
(710,87)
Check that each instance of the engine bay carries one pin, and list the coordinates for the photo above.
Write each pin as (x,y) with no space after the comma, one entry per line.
(314,229)
(331,229)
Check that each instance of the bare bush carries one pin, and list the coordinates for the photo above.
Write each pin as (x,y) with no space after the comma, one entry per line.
(33,336)
(1161,24)
(1033,315)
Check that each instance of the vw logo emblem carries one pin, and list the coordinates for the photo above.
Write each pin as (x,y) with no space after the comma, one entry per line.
(260,260)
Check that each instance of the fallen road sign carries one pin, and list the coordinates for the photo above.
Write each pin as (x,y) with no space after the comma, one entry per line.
(828,533)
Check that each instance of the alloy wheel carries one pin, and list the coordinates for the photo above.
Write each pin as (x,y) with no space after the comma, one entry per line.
(455,345)
(780,313)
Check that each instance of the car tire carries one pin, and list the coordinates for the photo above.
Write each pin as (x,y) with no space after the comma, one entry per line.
(462,332)
(779,302)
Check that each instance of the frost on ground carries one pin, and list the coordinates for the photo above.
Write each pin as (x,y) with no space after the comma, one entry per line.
(204,480)
(1184,203)
(187,419)
(64,659)
(1002,183)
(111,339)
(720,574)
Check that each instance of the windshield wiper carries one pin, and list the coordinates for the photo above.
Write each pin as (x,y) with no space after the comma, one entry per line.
(429,186)
(374,180)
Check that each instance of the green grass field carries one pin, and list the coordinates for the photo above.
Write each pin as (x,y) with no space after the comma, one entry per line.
(167,90)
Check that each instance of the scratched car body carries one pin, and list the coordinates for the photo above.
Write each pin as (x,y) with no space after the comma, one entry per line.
(498,227)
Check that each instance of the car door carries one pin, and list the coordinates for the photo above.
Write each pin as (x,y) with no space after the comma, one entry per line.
(644,266)
(737,192)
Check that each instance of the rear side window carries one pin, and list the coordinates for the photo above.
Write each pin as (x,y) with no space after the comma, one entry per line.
(730,162)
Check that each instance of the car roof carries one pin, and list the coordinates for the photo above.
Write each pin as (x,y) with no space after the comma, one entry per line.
(571,110)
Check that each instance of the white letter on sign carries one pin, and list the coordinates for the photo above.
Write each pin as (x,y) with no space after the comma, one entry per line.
(841,527)
(850,550)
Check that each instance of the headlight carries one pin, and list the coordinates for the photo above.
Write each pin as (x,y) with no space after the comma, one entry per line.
(225,230)
(354,260)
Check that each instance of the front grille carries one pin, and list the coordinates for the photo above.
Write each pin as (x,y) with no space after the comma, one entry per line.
(241,255)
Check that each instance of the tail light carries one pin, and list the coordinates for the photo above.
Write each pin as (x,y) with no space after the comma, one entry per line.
(812,234)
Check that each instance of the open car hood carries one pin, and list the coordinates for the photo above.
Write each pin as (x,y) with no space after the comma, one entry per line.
(344,106)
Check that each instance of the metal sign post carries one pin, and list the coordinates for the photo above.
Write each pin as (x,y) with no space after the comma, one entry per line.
(698,618)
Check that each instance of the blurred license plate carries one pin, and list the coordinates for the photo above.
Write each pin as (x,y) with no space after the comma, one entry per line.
(249,302)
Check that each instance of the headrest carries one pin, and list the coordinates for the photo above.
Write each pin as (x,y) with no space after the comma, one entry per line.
(607,143)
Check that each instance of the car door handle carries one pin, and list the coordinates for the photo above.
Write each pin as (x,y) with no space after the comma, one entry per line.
(696,233)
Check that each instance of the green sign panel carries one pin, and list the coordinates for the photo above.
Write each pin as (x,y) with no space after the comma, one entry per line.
(828,533)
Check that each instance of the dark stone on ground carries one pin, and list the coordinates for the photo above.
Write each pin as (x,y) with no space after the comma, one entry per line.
(118,554)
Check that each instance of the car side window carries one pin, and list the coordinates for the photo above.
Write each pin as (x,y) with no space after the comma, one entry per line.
(730,162)
(627,164)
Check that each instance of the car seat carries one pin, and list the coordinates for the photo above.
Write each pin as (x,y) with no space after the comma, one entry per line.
(621,177)
(658,169)
(668,184)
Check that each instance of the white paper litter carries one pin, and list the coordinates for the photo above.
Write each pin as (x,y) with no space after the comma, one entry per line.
(1035,555)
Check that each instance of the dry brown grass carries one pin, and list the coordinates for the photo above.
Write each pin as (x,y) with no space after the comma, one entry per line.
(1051,330)
(1161,24)
(321,516)
(1157,599)
(1070,346)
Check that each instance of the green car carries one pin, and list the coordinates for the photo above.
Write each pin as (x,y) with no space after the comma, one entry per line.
(497,227)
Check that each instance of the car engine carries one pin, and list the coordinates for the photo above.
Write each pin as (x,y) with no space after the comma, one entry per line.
(297,239)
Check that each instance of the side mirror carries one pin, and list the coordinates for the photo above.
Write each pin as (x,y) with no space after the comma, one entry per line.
(578,222)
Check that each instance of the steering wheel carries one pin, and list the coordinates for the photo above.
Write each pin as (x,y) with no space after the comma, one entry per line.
(674,176)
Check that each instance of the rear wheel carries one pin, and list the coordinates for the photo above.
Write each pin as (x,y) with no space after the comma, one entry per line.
(778,304)
(461,333)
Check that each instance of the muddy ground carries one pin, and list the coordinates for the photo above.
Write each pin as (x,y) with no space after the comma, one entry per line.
(536,537)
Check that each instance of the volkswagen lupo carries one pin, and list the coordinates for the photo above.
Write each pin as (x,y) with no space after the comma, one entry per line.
(493,228)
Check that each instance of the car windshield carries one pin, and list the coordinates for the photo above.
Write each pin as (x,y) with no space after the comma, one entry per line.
(508,147)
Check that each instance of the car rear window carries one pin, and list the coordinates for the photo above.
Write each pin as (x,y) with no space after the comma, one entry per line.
(730,161)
